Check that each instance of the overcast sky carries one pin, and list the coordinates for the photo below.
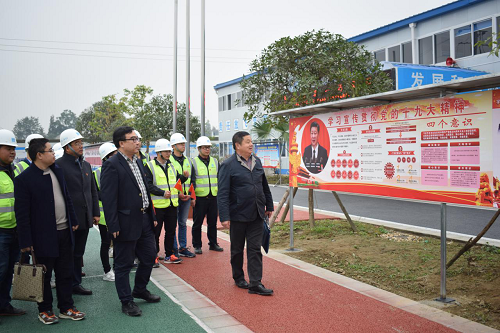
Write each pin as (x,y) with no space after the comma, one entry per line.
(67,54)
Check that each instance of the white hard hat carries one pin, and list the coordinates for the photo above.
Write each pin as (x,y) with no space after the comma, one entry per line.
(162,145)
(59,153)
(69,135)
(7,138)
(177,138)
(138,134)
(57,147)
(203,141)
(105,149)
(31,137)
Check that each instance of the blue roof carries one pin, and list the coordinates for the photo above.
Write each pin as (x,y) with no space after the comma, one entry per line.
(230,83)
(415,19)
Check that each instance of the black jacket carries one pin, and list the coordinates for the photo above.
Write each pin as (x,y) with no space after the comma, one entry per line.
(35,211)
(315,165)
(81,188)
(243,195)
(122,198)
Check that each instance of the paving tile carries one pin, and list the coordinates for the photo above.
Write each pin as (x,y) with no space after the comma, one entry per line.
(188,295)
(171,282)
(220,321)
(379,294)
(179,289)
(209,311)
(473,327)
(233,329)
(399,302)
(197,303)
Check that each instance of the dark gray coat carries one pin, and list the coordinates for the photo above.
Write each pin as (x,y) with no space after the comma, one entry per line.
(243,195)
(81,188)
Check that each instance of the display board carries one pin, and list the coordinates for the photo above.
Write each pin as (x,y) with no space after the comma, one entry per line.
(444,149)
(268,154)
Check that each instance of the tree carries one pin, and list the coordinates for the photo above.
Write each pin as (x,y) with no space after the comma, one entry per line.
(66,120)
(492,42)
(83,125)
(142,114)
(312,68)
(27,126)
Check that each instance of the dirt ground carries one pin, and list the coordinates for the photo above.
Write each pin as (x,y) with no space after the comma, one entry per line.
(402,263)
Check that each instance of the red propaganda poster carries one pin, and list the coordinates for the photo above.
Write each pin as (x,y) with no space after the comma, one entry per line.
(444,149)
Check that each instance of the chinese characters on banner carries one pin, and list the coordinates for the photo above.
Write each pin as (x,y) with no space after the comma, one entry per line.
(445,149)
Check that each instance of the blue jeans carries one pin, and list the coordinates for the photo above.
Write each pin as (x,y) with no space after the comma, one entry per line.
(9,250)
(182,215)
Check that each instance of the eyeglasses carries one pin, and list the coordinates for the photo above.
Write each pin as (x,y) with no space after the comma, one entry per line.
(47,151)
(133,139)
(77,144)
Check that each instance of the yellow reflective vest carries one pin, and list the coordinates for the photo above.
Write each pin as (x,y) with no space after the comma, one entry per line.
(20,167)
(7,215)
(164,182)
(206,177)
(97,175)
(186,165)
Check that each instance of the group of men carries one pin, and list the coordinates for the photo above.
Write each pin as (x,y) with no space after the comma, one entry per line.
(48,206)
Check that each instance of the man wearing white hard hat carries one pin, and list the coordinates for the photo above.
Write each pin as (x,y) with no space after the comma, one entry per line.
(204,178)
(21,166)
(183,167)
(83,191)
(9,244)
(161,179)
(106,150)
(145,158)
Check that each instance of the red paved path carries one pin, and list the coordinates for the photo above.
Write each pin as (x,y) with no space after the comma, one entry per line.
(301,303)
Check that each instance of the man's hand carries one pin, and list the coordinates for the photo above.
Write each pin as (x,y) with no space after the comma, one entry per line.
(226,224)
(27,249)
(186,173)
(156,223)
(116,234)
(74,227)
(268,214)
(193,203)
(167,195)
(183,197)
(96,220)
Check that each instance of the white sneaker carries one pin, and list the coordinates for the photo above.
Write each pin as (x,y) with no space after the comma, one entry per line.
(109,276)
(110,252)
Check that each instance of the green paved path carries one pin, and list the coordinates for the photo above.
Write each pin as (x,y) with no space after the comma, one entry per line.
(103,308)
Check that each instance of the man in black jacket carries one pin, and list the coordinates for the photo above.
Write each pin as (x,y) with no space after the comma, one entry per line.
(83,192)
(315,156)
(130,219)
(244,201)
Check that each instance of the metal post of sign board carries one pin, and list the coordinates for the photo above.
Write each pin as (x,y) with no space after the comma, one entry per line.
(442,297)
(290,203)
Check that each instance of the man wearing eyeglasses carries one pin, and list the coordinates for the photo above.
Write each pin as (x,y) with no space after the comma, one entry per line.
(130,219)
(83,191)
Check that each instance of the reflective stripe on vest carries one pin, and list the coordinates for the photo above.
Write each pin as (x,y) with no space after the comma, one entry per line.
(161,181)
(7,215)
(180,170)
(97,175)
(20,167)
(206,177)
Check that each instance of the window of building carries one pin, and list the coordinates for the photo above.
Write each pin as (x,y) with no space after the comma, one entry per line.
(395,53)
(425,51)
(221,103)
(239,98)
(463,45)
(229,102)
(236,127)
(482,31)
(224,102)
(442,46)
(407,53)
(228,125)
(379,55)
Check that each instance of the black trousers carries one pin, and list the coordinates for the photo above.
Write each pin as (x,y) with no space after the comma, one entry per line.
(105,245)
(252,233)
(63,268)
(124,254)
(166,217)
(205,206)
(80,243)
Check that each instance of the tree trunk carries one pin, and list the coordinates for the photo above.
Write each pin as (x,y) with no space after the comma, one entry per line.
(470,243)
(287,207)
(311,208)
(278,208)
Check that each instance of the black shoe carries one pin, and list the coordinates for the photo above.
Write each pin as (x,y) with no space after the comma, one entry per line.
(147,296)
(216,247)
(79,290)
(11,311)
(131,309)
(242,284)
(197,250)
(260,290)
